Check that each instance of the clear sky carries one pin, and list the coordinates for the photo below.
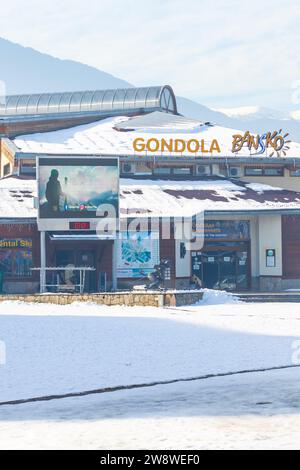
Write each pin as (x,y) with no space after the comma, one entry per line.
(218,52)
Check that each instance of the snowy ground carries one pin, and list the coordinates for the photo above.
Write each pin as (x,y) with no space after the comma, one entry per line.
(257,411)
(53,349)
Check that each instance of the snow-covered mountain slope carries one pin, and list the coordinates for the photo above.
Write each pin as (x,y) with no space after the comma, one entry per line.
(252,118)
(255,112)
(25,70)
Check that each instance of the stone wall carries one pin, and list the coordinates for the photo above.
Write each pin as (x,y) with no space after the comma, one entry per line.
(147,299)
(277,284)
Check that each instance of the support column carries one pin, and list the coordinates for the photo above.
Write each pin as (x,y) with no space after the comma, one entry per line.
(115,263)
(43,262)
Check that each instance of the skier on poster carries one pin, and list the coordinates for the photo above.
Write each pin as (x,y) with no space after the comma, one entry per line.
(53,192)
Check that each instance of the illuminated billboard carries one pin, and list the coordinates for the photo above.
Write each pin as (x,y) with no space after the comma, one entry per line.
(72,191)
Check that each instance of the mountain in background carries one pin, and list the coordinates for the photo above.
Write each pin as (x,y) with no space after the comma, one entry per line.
(25,70)
(247,113)
(260,120)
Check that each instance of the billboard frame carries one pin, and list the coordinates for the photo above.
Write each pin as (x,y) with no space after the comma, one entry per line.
(63,224)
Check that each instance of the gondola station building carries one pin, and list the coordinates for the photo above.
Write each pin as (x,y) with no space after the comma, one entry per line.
(222,206)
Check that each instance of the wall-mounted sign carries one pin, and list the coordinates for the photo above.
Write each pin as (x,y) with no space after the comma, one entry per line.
(270,258)
(16,257)
(154,145)
(16,243)
(79,225)
(276,141)
(226,229)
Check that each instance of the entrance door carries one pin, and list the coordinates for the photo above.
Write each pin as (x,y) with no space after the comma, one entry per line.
(77,258)
(87,258)
(228,271)
(211,268)
(65,280)
(222,267)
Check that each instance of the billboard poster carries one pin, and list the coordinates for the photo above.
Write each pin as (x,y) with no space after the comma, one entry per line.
(138,254)
(73,188)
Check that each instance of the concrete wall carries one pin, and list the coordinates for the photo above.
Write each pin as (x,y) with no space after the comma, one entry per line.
(270,237)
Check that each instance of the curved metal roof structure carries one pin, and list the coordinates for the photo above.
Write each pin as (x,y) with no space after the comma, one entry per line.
(146,99)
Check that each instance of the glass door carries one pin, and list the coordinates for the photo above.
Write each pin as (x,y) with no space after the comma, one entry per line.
(87,258)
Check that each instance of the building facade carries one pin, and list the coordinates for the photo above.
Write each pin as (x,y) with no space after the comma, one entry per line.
(172,169)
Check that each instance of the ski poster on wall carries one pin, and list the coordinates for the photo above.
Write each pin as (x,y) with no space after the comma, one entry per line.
(138,254)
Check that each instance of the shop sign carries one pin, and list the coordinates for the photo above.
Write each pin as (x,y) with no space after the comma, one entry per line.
(15,243)
(275,141)
(154,145)
(16,257)
(226,229)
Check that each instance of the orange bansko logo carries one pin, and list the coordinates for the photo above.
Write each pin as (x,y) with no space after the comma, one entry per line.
(275,141)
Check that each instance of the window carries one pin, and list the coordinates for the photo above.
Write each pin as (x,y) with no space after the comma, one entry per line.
(162,170)
(182,171)
(28,167)
(264,171)
(143,168)
(295,172)
(253,171)
(6,169)
(16,257)
(273,171)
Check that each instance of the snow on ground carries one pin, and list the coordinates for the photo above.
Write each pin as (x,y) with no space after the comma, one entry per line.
(253,411)
(59,349)
(212,297)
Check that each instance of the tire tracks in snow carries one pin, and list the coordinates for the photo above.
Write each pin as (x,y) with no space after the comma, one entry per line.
(118,388)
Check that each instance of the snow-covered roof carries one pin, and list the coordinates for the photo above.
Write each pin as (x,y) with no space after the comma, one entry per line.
(16,198)
(159,121)
(158,198)
(187,198)
(103,137)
